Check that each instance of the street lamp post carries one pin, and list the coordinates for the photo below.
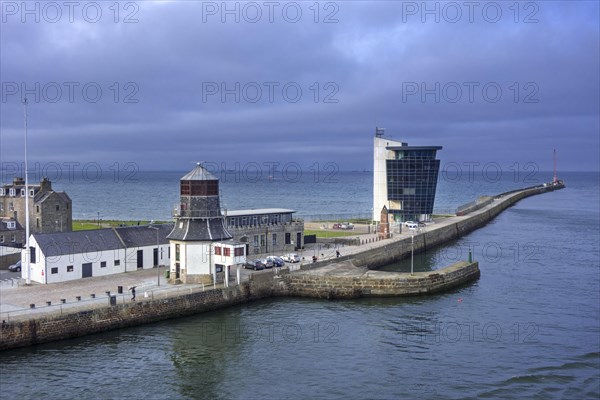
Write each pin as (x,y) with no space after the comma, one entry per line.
(412,250)
(157,254)
(27,251)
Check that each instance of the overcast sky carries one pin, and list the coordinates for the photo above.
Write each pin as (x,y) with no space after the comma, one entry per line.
(183,81)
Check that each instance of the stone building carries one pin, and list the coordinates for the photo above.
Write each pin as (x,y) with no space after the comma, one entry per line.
(49,211)
(11,233)
(202,246)
(266,231)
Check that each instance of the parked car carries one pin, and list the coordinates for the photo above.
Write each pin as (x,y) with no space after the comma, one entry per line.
(407,223)
(291,257)
(267,263)
(277,261)
(16,267)
(412,226)
(256,265)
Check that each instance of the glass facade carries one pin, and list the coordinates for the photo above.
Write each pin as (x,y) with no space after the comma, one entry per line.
(411,181)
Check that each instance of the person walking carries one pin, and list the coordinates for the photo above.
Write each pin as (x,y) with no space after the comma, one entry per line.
(337,253)
(133,293)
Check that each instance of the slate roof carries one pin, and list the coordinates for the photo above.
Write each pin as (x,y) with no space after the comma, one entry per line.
(62,243)
(4,225)
(138,236)
(199,174)
(210,229)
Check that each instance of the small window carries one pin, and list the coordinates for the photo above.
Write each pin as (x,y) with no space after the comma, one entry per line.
(31,193)
(37,209)
(11,225)
(1,192)
(37,222)
(262,240)
(117,263)
(11,192)
(274,239)
(227,252)
(288,238)
(22,192)
(217,250)
(57,207)
(69,268)
(54,270)
(13,238)
(103,264)
(1,238)
(255,240)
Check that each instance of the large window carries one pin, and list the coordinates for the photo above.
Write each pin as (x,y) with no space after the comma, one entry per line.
(238,251)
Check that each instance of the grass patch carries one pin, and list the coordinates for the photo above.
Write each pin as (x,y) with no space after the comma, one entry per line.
(329,234)
(88,224)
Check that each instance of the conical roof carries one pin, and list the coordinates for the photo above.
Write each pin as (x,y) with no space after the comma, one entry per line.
(199,174)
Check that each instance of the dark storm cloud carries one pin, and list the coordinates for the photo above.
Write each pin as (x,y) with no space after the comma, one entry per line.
(369,68)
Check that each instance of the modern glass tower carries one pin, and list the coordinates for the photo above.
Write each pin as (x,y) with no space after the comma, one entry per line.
(404,179)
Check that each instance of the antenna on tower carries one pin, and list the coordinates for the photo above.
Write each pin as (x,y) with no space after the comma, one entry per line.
(555,180)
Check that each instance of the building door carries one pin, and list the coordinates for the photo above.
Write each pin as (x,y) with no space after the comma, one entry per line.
(177,270)
(140,259)
(86,270)
(298,240)
(156,256)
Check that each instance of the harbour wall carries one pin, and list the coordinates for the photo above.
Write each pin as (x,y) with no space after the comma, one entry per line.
(305,283)
(378,284)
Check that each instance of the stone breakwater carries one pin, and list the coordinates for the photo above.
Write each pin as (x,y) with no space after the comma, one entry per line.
(347,281)
(341,281)
(346,277)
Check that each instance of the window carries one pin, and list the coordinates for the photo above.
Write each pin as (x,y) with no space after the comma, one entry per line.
(177,252)
(11,225)
(217,250)
(1,238)
(37,209)
(54,270)
(103,264)
(69,268)
(57,207)
(254,220)
(244,221)
(1,192)
(22,192)
(265,219)
(67,206)
(11,206)
(238,251)
(274,239)
(227,251)
(117,263)
(1,206)
(13,238)
(31,193)
(262,240)
(255,240)
(11,192)
(37,222)
(288,238)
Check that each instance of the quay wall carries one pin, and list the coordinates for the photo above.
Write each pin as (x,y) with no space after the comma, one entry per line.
(388,251)
(52,327)
(378,284)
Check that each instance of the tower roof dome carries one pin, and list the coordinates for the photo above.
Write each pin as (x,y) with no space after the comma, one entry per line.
(199,173)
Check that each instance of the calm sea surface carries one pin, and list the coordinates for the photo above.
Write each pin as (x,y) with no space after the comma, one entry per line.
(528,328)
